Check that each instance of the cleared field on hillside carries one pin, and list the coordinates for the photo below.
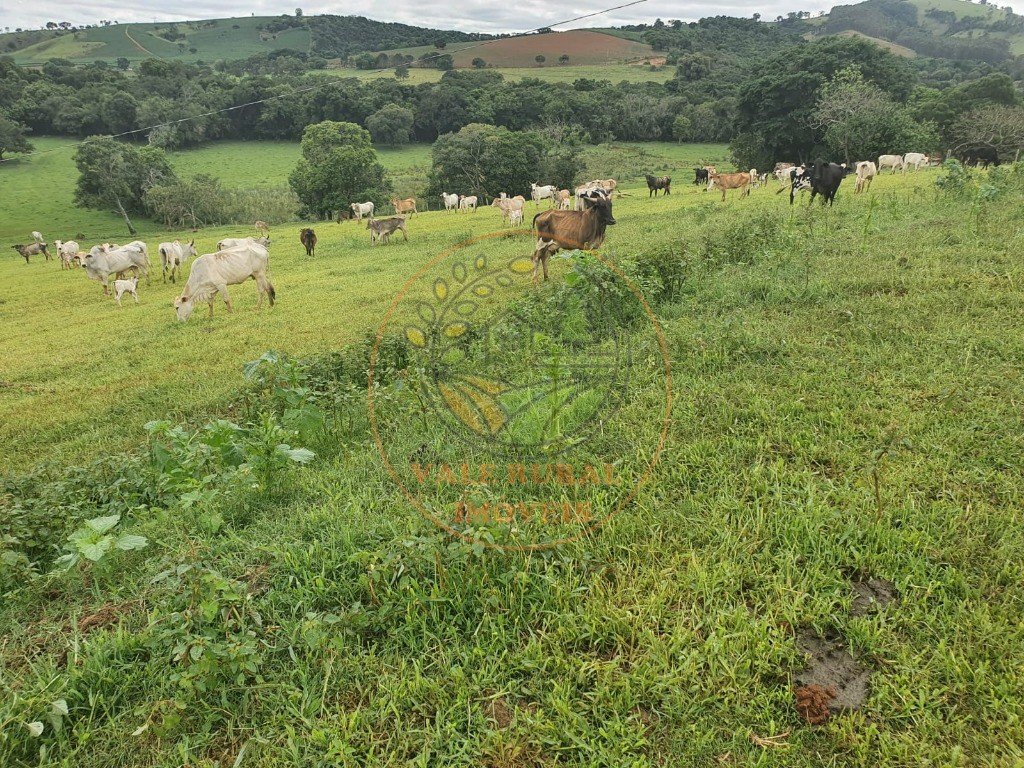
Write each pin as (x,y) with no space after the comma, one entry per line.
(582,47)
(842,460)
(213,39)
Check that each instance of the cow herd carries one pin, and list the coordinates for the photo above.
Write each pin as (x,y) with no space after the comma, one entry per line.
(240,259)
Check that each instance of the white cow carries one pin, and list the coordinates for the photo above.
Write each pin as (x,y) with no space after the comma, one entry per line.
(66,251)
(866,172)
(450,201)
(122,287)
(508,205)
(542,193)
(915,159)
(212,273)
(890,161)
(173,257)
(101,263)
(515,217)
(362,209)
(235,242)
(467,202)
(38,237)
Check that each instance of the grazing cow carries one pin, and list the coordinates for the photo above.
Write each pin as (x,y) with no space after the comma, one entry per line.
(408,205)
(585,190)
(724,181)
(467,203)
(173,257)
(700,176)
(562,200)
(824,179)
(451,202)
(32,250)
(890,161)
(262,229)
(866,172)
(571,229)
(212,273)
(754,178)
(509,205)
(362,209)
(66,251)
(979,156)
(101,263)
(381,229)
(659,182)
(538,193)
(308,238)
(915,159)
(122,287)
(781,172)
(235,242)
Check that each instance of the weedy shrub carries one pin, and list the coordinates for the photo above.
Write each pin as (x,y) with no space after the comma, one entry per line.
(40,508)
(957,181)
(95,541)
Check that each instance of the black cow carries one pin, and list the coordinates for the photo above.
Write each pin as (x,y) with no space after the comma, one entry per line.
(824,179)
(702,176)
(979,156)
(659,182)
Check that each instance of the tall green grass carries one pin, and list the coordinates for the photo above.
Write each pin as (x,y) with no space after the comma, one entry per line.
(847,391)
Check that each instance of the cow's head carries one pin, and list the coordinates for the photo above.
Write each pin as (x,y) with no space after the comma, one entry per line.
(603,205)
(184,305)
(192,248)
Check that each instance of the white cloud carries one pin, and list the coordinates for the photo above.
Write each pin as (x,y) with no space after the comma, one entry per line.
(474,15)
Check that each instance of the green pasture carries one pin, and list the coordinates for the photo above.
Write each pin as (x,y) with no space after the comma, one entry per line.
(214,39)
(847,390)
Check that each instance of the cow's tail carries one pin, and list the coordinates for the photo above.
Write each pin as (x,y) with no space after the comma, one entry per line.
(535,219)
(271,293)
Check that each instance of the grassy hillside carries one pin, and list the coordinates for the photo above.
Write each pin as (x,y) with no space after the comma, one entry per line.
(582,47)
(845,379)
(615,73)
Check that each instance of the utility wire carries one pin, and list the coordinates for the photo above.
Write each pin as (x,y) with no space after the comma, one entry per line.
(318,86)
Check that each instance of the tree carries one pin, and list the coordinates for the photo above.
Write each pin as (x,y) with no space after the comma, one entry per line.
(485,160)
(440,43)
(540,58)
(858,120)
(776,105)
(681,128)
(12,136)
(298,13)
(123,63)
(563,59)
(391,125)
(402,72)
(479,63)
(338,167)
(115,176)
(999,127)
(444,62)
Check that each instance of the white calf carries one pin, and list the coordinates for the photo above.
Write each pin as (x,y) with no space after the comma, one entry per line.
(122,287)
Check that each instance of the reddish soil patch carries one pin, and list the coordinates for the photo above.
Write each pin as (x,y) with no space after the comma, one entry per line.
(580,46)
(498,710)
(812,703)
(108,614)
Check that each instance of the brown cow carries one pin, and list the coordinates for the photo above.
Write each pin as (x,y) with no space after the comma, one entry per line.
(32,250)
(571,229)
(308,238)
(724,181)
(404,206)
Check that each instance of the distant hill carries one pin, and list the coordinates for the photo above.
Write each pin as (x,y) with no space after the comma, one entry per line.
(235,38)
(944,29)
(583,47)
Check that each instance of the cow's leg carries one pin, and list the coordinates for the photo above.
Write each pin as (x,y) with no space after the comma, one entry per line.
(223,291)
(135,296)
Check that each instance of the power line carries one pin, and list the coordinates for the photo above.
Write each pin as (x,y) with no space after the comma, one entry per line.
(318,86)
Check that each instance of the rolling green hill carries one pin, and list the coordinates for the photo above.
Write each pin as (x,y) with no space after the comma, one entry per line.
(947,29)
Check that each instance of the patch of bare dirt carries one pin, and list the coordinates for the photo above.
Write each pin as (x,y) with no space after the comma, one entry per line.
(831,672)
(108,614)
(871,596)
(498,710)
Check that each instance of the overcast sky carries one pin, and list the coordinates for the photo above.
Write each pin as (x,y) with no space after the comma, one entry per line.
(473,15)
